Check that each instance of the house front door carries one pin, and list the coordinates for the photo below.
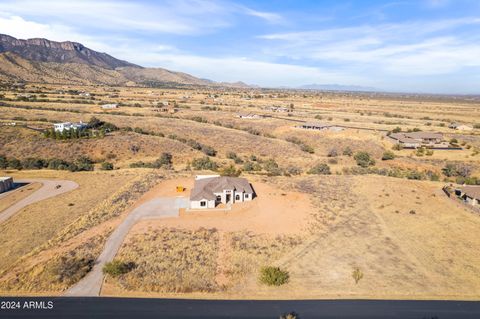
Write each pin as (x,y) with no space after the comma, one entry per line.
(228,197)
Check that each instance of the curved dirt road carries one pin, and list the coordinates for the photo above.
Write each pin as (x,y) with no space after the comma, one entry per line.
(49,189)
(91,284)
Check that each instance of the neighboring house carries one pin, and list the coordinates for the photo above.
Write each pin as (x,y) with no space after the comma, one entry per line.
(469,194)
(319,126)
(165,109)
(6,183)
(460,127)
(85,94)
(211,190)
(109,106)
(249,116)
(60,127)
(280,109)
(420,139)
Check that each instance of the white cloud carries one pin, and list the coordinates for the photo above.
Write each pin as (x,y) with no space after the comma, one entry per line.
(412,48)
(188,17)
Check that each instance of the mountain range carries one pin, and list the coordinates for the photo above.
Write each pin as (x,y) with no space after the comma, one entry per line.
(45,61)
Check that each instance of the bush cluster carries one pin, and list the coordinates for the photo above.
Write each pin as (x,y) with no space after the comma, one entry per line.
(82,163)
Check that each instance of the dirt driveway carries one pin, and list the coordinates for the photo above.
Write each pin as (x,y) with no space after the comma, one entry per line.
(164,207)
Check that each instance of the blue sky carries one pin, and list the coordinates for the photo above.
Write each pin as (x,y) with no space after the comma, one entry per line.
(414,46)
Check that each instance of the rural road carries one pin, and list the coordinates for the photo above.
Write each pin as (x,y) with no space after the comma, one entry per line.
(91,284)
(49,189)
(139,308)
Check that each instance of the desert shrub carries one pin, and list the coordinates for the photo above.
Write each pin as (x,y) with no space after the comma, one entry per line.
(230,171)
(116,268)
(249,166)
(307,148)
(397,147)
(347,151)
(208,150)
(272,167)
(357,275)
(388,155)
(462,170)
(364,159)
(165,161)
(83,163)
(71,269)
(107,166)
(33,163)
(273,276)
(332,153)
(320,169)
(204,163)
(293,170)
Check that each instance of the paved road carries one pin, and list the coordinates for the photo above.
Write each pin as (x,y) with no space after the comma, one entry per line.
(138,308)
(49,189)
(91,284)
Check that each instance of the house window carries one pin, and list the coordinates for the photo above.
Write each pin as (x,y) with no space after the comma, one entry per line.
(203,203)
(237,197)
(219,198)
(246,195)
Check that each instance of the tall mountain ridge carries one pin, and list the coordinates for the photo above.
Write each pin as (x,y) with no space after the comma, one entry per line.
(42,60)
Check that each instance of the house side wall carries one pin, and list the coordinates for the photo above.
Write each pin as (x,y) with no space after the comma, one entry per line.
(196,204)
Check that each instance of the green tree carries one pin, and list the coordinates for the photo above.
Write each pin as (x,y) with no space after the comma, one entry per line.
(364,159)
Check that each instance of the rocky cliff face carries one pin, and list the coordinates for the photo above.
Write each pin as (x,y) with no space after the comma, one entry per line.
(43,50)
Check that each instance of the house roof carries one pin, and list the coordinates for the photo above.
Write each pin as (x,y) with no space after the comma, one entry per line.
(471,191)
(4,178)
(413,137)
(206,187)
(316,124)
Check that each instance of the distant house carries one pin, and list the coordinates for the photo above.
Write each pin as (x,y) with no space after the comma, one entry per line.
(109,106)
(420,139)
(249,116)
(211,190)
(6,183)
(460,127)
(85,94)
(280,109)
(60,127)
(469,194)
(166,109)
(319,126)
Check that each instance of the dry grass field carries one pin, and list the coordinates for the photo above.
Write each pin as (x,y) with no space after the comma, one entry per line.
(389,221)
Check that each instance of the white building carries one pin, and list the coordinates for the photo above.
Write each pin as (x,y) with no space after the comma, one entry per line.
(211,190)
(60,127)
(249,116)
(109,106)
(6,183)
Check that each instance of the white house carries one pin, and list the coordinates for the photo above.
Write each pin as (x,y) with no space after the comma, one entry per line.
(109,106)
(419,139)
(249,116)
(319,126)
(60,127)
(211,190)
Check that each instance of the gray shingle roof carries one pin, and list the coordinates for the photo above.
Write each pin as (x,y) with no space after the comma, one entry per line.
(206,187)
